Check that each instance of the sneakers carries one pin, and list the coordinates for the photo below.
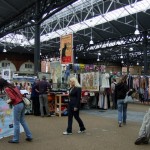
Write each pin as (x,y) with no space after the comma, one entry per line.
(67,133)
(11,141)
(124,123)
(29,139)
(120,125)
(81,131)
(141,140)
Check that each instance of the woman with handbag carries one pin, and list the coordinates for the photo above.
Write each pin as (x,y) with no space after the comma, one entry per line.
(18,111)
(120,92)
(74,106)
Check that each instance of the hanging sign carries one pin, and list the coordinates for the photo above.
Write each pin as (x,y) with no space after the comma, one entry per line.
(66,52)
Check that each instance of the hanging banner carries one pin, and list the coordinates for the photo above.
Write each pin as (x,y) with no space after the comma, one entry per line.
(56,70)
(66,52)
(90,81)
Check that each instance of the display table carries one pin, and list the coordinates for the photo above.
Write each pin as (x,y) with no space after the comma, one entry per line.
(51,102)
(59,102)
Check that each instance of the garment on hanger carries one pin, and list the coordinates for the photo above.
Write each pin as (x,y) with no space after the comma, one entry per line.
(105,80)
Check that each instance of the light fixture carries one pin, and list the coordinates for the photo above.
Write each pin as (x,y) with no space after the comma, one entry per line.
(121,54)
(91,41)
(131,49)
(76,57)
(136,27)
(137,30)
(98,56)
(137,63)
(122,61)
(4,50)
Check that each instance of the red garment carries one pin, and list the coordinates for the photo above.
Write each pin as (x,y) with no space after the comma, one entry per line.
(84,93)
(14,94)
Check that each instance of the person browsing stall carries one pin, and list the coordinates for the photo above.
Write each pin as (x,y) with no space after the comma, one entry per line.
(43,87)
(74,106)
(18,111)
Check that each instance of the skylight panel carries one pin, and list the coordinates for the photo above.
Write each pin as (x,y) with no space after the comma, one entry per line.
(113,15)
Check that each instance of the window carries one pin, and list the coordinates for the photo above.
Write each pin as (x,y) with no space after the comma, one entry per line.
(29,66)
(5,64)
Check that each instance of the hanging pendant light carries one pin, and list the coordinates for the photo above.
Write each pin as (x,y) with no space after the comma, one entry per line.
(91,41)
(121,54)
(4,50)
(136,27)
(137,30)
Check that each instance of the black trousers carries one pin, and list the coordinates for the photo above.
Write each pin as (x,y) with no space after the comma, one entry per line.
(75,114)
(35,105)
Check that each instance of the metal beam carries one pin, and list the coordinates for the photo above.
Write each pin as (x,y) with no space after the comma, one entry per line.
(9,5)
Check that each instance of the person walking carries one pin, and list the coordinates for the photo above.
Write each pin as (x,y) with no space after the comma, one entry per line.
(74,106)
(113,85)
(43,88)
(18,111)
(121,90)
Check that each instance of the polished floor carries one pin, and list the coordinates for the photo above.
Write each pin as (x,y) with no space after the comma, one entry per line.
(102,132)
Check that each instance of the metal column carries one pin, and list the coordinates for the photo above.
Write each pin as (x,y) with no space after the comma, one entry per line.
(128,64)
(145,41)
(37,64)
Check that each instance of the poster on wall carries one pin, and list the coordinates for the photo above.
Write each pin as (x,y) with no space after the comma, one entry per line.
(55,70)
(6,120)
(90,81)
(6,74)
(66,45)
(45,66)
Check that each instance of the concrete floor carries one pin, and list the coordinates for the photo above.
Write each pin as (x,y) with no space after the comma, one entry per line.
(102,132)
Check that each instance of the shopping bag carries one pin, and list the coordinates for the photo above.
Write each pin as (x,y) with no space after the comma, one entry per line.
(26,101)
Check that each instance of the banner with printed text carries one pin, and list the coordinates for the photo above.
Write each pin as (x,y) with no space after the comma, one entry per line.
(66,52)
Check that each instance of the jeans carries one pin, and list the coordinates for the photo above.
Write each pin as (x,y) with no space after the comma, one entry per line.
(19,117)
(43,99)
(72,113)
(122,111)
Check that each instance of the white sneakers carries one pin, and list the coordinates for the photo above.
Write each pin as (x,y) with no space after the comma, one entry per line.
(67,133)
(81,131)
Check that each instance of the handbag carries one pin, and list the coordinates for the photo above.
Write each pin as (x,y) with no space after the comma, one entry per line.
(128,99)
(26,101)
